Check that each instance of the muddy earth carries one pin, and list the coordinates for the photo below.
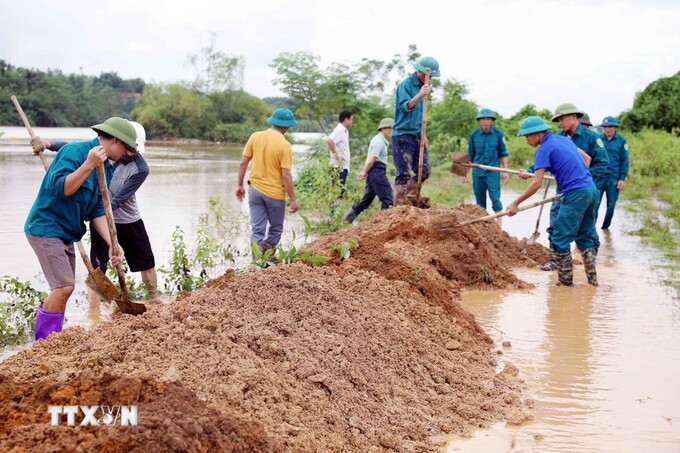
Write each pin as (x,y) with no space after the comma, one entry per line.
(365,354)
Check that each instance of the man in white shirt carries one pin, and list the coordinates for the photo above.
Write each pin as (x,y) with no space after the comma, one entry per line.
(338,147)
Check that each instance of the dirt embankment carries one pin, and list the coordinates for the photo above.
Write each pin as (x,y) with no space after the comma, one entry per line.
(371,353)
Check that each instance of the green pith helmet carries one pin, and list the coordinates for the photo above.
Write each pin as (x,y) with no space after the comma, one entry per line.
(428,62)
(610,121)
(532,124)
(585,120)
(385,122)
(120,128)
(485,113)
(566,109)
(282,118)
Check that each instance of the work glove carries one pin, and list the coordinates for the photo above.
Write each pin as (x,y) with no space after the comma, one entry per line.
(38,145)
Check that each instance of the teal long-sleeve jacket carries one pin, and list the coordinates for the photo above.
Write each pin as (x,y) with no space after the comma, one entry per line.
(619,158)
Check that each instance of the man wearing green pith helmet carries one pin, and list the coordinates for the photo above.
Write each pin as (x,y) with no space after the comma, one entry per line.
(68,197)
(486,146)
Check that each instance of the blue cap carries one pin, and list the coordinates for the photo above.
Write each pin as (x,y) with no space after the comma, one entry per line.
(610,121)
(428,62)
(282,118)
(485,113)
(531,125)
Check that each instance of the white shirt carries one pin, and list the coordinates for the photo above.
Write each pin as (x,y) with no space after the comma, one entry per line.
(340,137)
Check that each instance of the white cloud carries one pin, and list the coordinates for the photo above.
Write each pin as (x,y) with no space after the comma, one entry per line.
(594,54)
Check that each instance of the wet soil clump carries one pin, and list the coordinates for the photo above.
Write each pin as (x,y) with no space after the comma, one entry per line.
(369,353)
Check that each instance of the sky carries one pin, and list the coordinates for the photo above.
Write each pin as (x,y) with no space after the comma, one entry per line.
(595,54)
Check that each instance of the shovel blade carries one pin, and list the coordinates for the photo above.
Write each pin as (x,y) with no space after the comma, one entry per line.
(532,239)
(458,161)
(128,307)
(99,283)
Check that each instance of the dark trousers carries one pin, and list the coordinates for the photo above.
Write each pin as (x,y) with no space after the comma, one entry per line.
(378,185)
(406,154)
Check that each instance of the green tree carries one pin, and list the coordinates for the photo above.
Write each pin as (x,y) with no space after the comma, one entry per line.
(450,121)
(657,106)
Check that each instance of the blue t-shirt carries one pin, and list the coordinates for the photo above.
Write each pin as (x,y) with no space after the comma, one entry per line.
(487,148)
(408,121)
(57,216)
(619,159)
(559,156)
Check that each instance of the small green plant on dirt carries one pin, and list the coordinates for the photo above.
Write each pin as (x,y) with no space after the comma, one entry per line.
(344,249)
(179,275)
(17,310)
(415,279)
(484,277)
(283,254)
(211,250)
(137,290)
(189,271)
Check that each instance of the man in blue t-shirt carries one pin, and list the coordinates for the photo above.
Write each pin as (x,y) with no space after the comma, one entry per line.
(486,146)
(578,207)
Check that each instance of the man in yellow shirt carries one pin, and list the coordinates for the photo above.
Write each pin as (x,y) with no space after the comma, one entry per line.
(270,179)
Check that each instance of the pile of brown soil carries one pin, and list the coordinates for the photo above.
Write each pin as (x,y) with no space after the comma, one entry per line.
(172,419)
(371,353)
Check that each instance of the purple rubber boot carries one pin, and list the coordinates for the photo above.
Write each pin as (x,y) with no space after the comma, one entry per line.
(47,322)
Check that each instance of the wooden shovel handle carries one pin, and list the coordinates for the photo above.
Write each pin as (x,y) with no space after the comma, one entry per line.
(500,169)
(423,135)
(86,259)
(15,101)
(115,248)
(504,213)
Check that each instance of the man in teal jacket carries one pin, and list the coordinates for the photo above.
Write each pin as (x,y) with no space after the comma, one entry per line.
(619,162)
(406,135)
(486,146)
(68,197)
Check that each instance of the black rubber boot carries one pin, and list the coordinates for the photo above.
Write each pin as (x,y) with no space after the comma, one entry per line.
(565,269)
(589,264)
(550,265)
(350,215)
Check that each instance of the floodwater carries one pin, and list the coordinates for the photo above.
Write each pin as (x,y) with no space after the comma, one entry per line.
(601,364)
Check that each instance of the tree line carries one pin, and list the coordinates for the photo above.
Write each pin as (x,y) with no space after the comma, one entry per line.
(214,106)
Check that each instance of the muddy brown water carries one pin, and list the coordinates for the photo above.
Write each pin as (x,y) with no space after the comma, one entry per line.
(601,364)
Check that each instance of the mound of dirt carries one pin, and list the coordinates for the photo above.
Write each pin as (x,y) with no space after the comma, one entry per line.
(370,353)
(172,419)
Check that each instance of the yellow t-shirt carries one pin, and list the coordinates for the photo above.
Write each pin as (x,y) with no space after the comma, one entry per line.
(269,152)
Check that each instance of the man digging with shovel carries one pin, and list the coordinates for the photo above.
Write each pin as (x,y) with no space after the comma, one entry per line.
(68,197)
(579,202)
(407,129)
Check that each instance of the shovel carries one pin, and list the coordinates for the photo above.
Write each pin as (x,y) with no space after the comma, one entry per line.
(416,200)
(96,280)
(124,303)
(446,223)
(461,164)
(536,234)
